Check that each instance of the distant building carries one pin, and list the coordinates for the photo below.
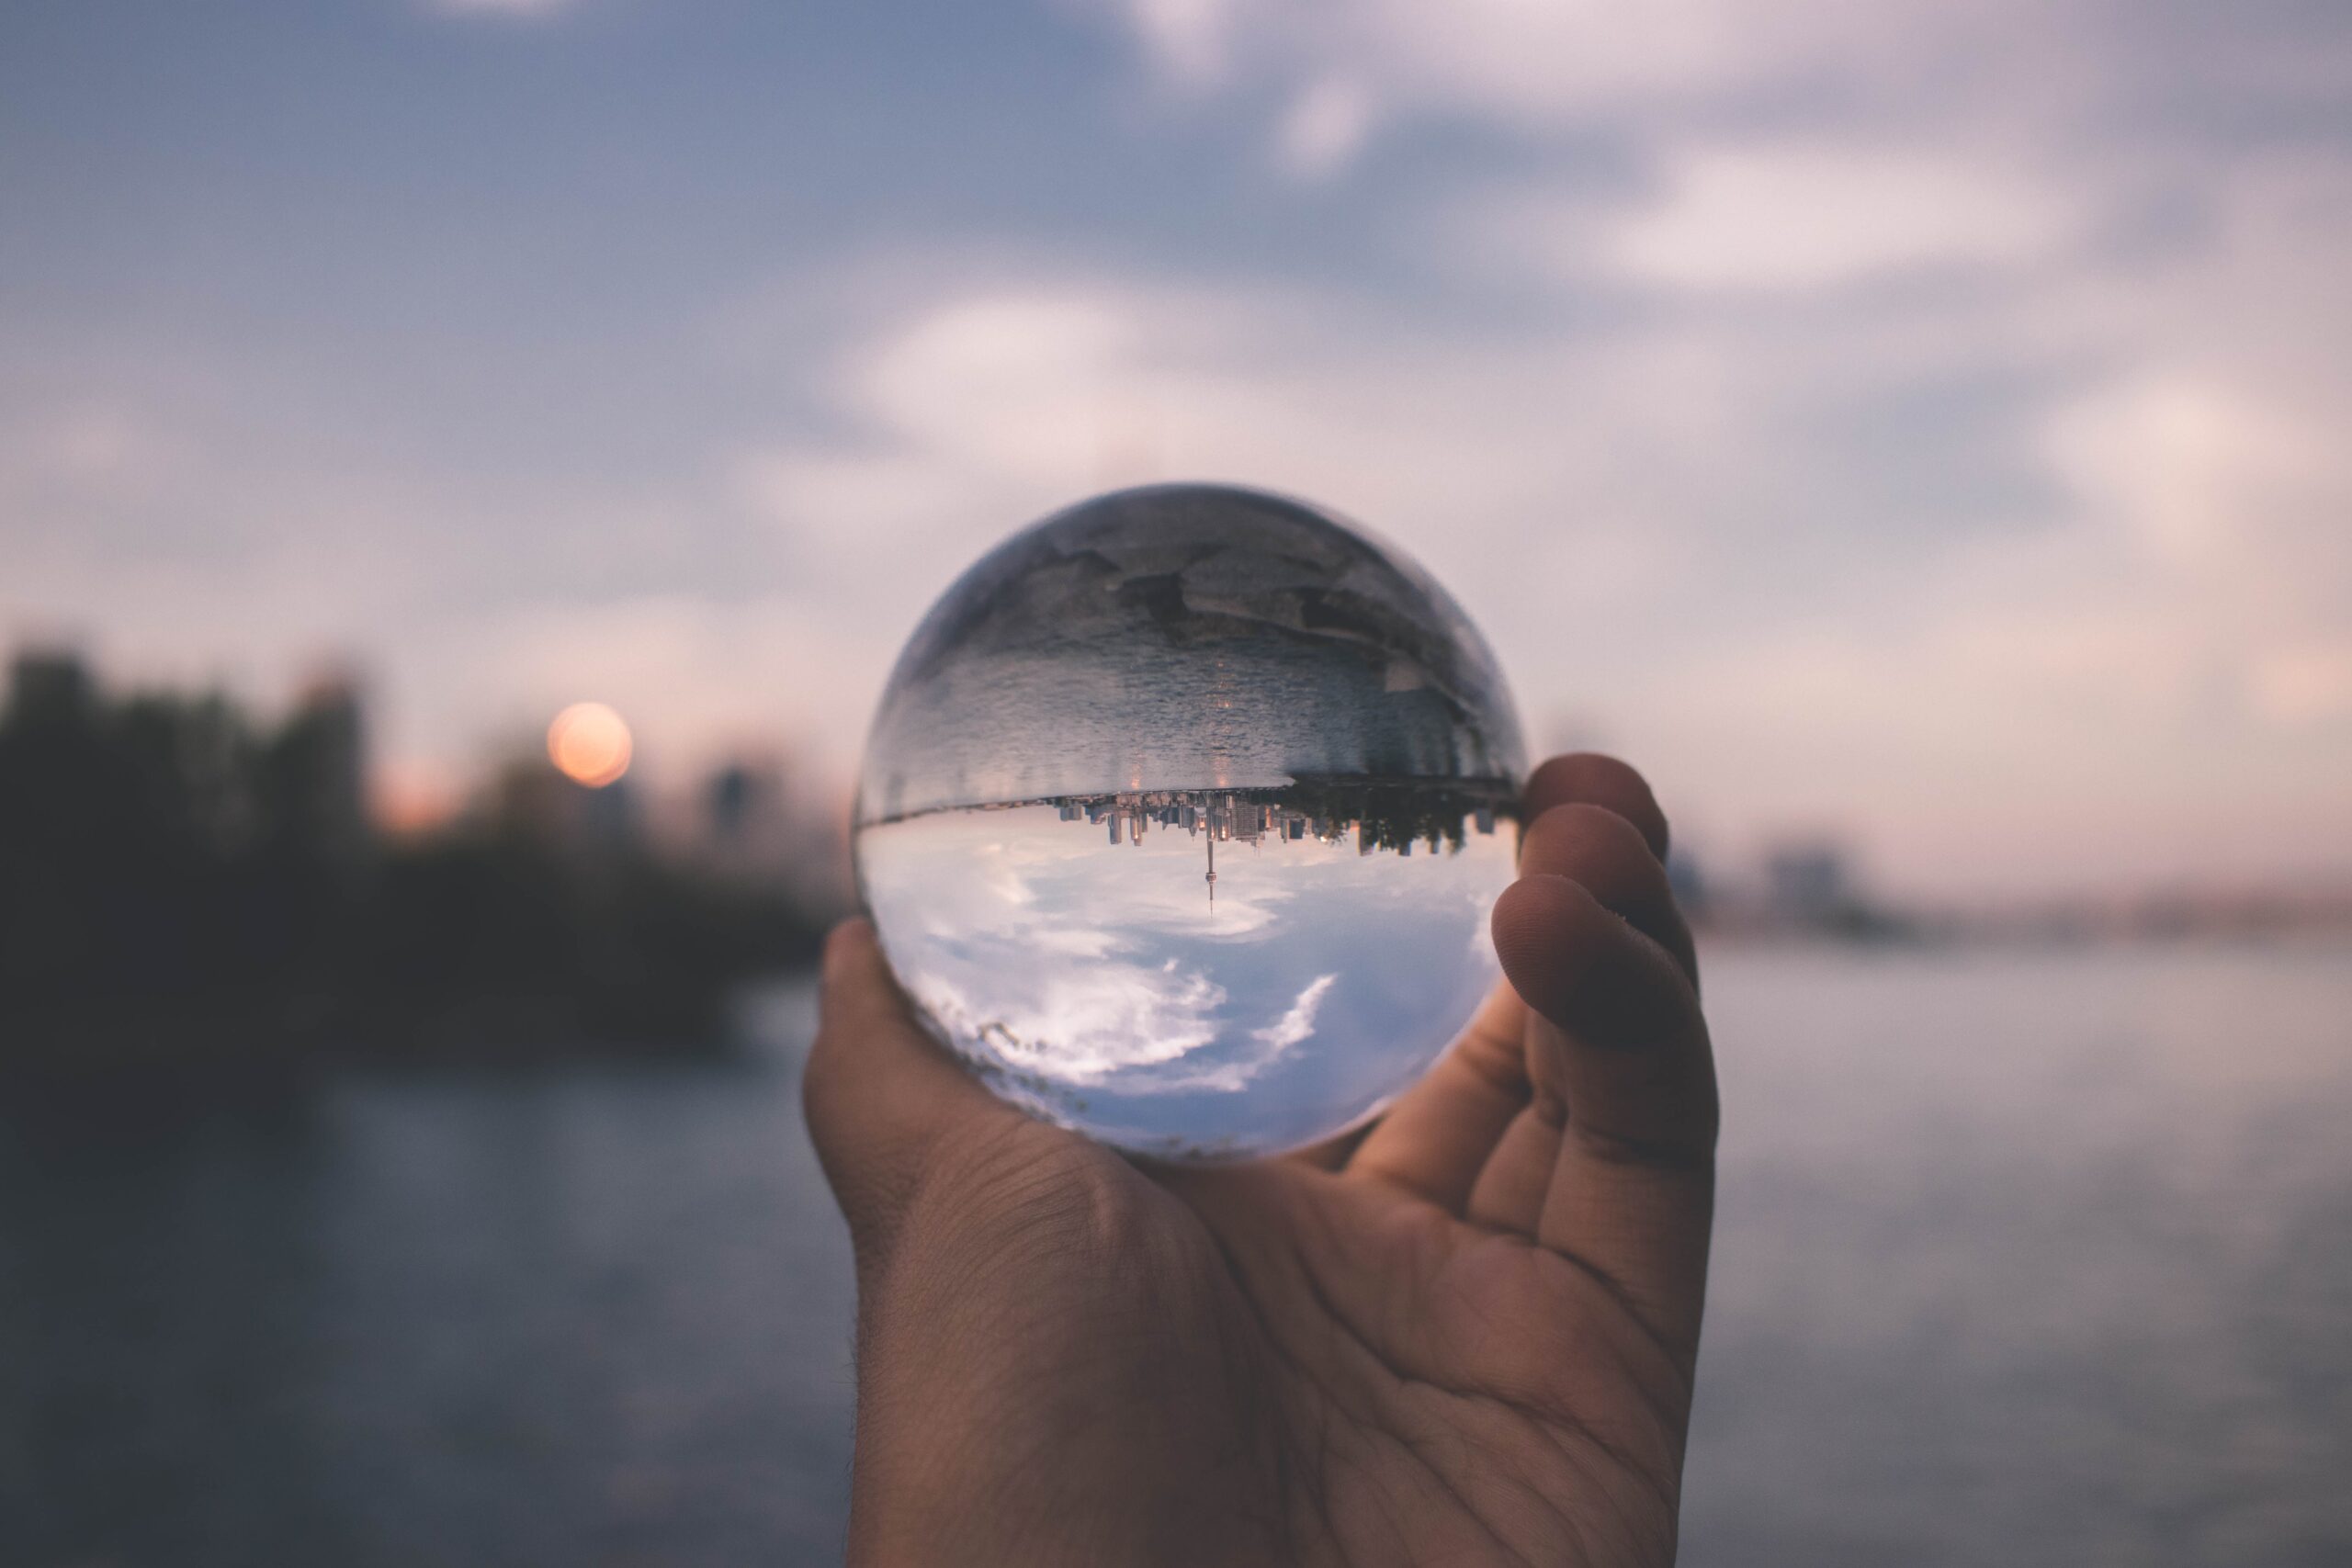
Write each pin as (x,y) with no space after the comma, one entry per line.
(606,819)
(730,801)
(49,686)
(1808,883)
(1689,884)
(754,825)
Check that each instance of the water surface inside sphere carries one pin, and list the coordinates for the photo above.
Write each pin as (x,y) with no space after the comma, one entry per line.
(1182,818)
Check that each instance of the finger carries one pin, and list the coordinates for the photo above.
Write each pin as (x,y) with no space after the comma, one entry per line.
(1591,779)
(1332,1154)
(877,1091)
(1508,1192)
(1439,1131)
(1441,1134)
(1608,854)
(1619,1032)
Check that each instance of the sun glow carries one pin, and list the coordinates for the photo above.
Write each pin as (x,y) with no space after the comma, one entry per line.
(589,744)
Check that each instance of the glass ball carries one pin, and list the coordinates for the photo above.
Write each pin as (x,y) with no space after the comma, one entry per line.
(1181,819)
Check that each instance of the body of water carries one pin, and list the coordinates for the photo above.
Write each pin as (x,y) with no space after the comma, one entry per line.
(2027,1259)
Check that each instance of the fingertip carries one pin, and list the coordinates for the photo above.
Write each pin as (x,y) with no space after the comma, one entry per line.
(856,985)
(846,947)
(1536,927)
(1586,969)
(1590,778)
(861,1014)
(878,1093)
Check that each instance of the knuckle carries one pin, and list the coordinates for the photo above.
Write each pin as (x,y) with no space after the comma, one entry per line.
(1608,856)
(1595,845)
(1496,1060)
(1687,1148)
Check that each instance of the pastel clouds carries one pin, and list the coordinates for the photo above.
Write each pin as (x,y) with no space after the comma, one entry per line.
(1812,217)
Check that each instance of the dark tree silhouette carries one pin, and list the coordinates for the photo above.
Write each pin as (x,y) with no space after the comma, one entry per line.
(179,883)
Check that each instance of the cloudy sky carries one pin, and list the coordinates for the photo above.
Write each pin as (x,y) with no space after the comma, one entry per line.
(1922,420)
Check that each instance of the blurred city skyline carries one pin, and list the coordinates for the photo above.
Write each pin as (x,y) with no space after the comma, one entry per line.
(1916,423)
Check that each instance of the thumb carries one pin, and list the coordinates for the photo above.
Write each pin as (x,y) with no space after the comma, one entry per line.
(878,1093)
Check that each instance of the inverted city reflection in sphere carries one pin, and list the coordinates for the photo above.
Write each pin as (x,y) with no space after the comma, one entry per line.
(1182,818)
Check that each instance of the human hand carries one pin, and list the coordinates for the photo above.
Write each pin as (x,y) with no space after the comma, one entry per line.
(1469,1339)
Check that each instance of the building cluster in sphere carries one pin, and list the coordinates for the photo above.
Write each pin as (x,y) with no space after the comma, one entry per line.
(1225,816)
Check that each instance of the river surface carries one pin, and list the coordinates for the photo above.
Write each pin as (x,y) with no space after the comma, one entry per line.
(2022,1259)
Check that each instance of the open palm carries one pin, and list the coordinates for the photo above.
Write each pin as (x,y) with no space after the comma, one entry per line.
(1468,1338)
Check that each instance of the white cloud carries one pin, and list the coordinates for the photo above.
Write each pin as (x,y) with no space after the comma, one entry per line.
(2158,678)
(1326,125)
(1816,216)
(2198,471)
(2305,684)
(1537,67)
(1186,39)
(1297,1023)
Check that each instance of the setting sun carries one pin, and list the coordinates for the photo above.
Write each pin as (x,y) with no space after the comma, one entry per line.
(590,744)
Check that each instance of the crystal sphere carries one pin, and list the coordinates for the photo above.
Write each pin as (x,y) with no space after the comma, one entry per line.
(1182,816)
